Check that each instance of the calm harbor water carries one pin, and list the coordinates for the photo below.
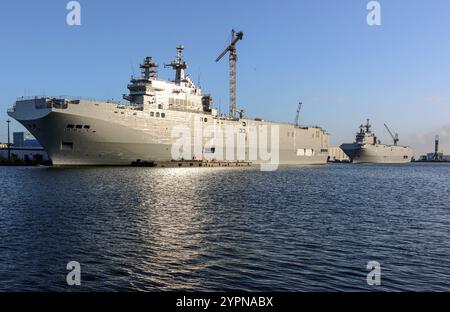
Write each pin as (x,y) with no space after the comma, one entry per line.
(295,229)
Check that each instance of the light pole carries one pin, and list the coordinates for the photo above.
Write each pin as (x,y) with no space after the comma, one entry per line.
(9,142)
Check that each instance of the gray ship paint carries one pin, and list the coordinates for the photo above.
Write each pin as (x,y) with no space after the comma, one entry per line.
(89,132)
(367,149)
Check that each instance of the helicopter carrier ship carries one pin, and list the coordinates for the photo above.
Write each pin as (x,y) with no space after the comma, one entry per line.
(76,131)
(368,149)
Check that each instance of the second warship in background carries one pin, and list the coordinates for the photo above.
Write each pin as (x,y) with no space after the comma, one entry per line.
(367,149)
(78,131)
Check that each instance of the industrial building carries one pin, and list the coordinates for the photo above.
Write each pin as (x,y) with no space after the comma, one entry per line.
(27,154)
(436,156)
(25,148)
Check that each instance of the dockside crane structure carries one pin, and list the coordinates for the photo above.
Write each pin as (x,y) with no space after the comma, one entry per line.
(297,116)
(235,37)
(394,138)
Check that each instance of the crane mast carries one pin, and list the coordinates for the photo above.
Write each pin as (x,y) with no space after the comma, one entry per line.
(394,138)
(297,116)
(235,37)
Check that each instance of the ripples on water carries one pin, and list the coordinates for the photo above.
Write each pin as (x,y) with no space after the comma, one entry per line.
(295,229)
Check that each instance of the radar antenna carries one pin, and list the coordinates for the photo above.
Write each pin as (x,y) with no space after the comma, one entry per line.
(368,126)
(149,69)
(178,65)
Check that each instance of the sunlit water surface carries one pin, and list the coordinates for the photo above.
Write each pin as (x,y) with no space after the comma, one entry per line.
(295,229)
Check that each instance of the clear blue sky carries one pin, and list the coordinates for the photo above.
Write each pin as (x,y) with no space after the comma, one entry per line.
(319,51)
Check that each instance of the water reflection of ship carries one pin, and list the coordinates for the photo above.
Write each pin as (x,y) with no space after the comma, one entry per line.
(173,227)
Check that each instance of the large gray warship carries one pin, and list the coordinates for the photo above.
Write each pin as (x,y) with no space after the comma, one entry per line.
(368,149)
(76,131)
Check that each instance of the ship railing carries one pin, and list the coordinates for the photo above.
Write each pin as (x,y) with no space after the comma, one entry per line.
(134,77)
(70,98)
(36,97)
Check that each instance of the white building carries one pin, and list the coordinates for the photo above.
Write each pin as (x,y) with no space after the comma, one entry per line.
(336,154)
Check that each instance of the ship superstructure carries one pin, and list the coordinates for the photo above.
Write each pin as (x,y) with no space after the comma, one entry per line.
(368,149)
(77,131)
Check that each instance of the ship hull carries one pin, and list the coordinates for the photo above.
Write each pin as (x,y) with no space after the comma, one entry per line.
(121,137)
(379,153)
(108,144)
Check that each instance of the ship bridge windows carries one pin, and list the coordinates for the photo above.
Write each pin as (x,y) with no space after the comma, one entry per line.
(163,115)
(79,126)
(157,114)
(152,114)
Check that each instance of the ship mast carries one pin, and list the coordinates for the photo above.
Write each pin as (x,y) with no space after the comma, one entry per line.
(368,126)
(148,69)
(178,65)
(141,90)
